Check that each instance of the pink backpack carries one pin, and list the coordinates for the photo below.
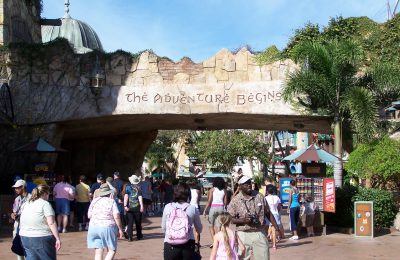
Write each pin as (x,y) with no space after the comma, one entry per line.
(177,228)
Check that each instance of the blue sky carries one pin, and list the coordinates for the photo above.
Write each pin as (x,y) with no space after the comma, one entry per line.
(199,28)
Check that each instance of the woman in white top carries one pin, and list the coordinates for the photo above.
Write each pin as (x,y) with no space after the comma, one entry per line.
(275,206)
(38,228)
(195,196)
(217,202)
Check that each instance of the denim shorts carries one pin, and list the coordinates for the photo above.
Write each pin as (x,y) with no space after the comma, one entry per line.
(102,237)
(62,207)
(39,248)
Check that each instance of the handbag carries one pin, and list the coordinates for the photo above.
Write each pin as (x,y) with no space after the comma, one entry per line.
(17,246)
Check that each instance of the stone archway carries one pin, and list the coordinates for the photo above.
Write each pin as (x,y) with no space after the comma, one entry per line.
(110,128)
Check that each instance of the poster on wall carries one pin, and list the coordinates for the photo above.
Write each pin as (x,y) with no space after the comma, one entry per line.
(329,195)
(364,219)
(284,185)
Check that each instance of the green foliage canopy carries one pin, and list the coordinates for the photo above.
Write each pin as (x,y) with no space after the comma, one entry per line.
(378,161)
(161,151)
(223,148)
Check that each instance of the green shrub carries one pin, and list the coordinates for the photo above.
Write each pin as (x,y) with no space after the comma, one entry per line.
(344,216)
(384,205)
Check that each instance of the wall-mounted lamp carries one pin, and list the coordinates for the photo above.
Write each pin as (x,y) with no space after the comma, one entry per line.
(97,78)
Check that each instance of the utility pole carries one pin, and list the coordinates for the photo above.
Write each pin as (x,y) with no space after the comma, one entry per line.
(390,13)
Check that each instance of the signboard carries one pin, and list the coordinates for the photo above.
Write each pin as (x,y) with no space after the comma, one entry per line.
(314,169)
(364,219)
(41,167)
(284,185)
(329,195)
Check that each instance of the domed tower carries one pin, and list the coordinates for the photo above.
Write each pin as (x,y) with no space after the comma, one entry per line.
(79,34)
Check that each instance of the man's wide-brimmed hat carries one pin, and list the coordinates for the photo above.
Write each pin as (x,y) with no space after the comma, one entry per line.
(134,179)
(104,190)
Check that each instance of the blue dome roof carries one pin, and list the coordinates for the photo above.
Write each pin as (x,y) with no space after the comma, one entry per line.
(79,34)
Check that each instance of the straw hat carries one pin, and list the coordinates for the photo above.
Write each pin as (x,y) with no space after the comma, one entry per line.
(134,179)
(104,190)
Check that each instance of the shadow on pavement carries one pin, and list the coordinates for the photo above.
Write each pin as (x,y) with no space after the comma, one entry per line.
(297,243)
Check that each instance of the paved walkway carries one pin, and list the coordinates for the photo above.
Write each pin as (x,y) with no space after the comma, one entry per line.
(335,246)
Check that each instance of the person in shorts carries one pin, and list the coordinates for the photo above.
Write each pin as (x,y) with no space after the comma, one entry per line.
(105,223)
(217,202)
(63,193)
(309,211)
(147,192)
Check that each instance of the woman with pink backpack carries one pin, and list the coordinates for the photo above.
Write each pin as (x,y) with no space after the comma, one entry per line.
(178,220)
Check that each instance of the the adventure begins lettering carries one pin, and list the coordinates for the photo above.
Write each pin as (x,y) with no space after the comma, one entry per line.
(183,99)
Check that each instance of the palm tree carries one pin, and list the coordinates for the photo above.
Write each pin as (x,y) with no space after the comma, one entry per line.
(328,84)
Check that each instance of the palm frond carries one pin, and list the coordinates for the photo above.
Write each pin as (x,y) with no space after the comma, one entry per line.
(385,77)
(360,103)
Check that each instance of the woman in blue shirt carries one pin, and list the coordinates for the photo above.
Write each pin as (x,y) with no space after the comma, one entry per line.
(294,209)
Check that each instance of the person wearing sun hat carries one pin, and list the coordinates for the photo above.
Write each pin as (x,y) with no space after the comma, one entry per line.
(248,209)
(104,222)
(133,206)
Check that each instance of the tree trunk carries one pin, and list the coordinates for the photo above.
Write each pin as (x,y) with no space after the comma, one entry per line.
(338,165)
(251,167)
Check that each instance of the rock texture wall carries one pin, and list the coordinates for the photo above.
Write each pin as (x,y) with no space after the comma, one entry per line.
(51,83)
(20,21)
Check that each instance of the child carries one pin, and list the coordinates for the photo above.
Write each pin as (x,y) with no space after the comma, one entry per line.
(309,211)
(275,206)
(224,245)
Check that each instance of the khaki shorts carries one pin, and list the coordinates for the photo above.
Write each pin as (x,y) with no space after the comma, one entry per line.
(213,215)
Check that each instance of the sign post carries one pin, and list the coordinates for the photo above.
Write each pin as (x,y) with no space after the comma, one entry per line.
(284,185)
(329,195)
(364,219)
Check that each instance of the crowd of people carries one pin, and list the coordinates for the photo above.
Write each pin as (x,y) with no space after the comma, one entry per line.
(110,207)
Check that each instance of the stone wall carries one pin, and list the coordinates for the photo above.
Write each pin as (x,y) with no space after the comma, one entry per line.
(20,21)
(51,83)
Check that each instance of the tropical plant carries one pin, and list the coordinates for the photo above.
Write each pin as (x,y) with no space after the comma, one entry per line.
(327,84)
(161,154)
(383,79)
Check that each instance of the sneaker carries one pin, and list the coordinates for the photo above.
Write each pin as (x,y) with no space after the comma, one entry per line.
(80,228)
(64,230)
(294,238)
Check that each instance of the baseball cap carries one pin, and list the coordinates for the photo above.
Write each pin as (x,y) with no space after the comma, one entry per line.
(100,176)
(244,179)
(19,183)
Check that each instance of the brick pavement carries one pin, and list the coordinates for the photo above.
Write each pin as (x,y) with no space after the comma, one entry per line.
(334,246)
